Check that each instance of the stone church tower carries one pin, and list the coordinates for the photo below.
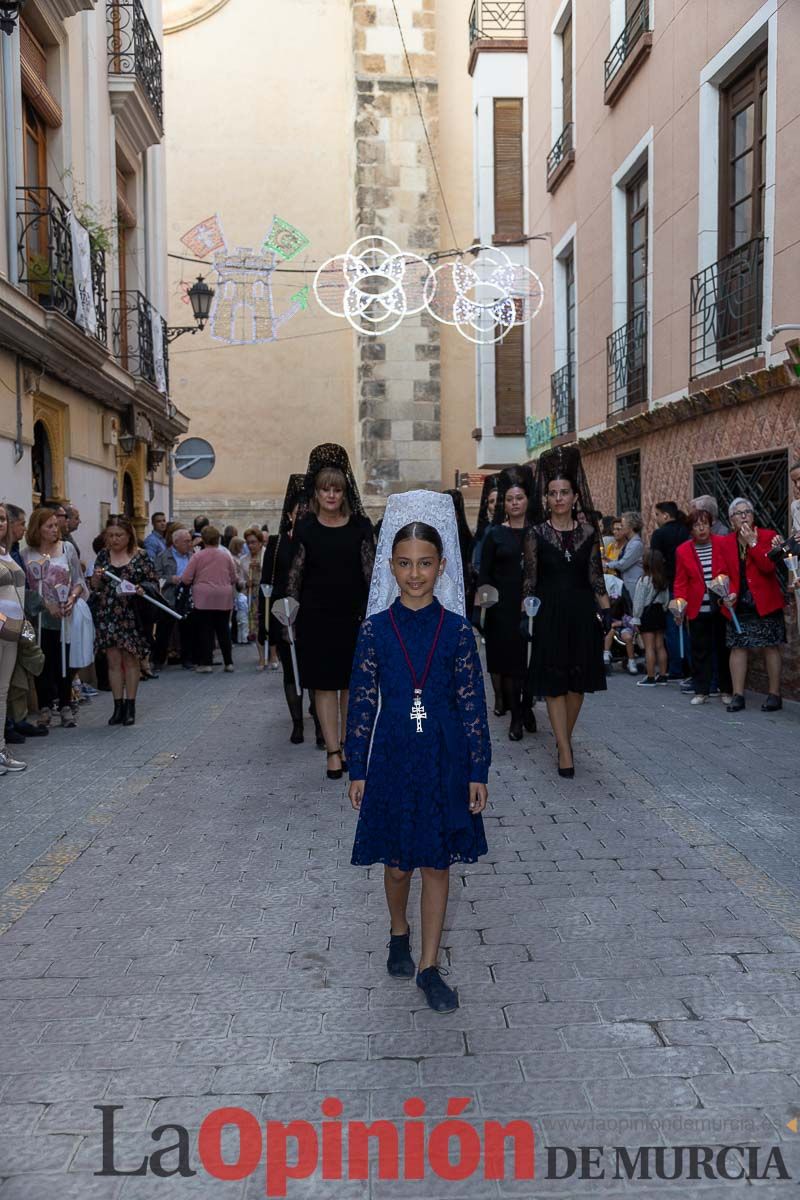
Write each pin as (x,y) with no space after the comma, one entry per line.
(396,196)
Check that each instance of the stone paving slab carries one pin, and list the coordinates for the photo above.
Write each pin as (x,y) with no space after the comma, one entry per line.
(183,932)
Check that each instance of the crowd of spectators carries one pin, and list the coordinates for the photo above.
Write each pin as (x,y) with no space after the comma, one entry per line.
(73,626)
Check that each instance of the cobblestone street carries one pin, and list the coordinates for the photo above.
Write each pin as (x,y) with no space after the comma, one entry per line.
(182,931)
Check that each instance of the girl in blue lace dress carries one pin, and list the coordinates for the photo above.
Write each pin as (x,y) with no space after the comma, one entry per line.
(419,765)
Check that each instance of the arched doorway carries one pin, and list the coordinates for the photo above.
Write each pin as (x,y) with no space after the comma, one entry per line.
(41,463)
(128,497)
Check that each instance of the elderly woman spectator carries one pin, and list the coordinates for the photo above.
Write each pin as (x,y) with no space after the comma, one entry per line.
(170,565)
(628,564)
(212,575)
(759,605)
(708,504)
(697,563)
(54,572)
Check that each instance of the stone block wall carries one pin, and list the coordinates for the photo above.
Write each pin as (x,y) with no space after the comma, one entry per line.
(398,375)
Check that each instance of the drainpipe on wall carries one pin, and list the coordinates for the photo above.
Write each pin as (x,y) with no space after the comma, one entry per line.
(10,139)
(18,447)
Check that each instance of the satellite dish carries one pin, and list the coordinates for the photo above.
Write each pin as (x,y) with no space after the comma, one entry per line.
(195,458)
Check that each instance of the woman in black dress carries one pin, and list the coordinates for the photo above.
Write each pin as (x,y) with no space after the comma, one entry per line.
(275,575)
(334,551)
(464,542)
(563,567)
(501,568)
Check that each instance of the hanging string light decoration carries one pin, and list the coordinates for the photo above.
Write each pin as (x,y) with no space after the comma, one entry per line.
(484,299)
(375,284)
(244,311)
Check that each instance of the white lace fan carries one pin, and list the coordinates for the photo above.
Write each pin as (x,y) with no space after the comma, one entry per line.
(432,508)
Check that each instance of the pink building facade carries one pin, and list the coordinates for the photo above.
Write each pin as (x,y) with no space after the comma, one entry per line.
(663,164)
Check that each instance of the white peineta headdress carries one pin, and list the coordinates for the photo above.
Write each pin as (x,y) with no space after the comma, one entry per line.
(434,509)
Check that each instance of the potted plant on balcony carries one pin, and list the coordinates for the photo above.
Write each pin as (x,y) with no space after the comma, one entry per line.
(41,279)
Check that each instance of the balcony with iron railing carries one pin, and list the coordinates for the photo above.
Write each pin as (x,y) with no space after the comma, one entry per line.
(562,399)
(561,157)
(726,309)
(46,265)
(626,356)
(135,72)
(501,23)
(135,325)
(628,52)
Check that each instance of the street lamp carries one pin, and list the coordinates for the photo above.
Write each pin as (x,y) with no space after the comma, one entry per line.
(200,296)
(9,11)
(127,442)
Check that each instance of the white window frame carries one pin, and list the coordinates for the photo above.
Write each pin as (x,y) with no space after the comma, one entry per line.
(565,13)
(641,156)
(760,30)
(561,253)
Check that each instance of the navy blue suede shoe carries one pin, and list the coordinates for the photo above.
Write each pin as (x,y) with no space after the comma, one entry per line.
(400,964)
(440,997)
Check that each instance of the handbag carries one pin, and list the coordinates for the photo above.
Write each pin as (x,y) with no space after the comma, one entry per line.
(12,629)
(81,635)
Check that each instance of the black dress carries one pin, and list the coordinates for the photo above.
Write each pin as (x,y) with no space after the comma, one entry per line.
(329,578)
(275,571)
(566,572)
(501,566)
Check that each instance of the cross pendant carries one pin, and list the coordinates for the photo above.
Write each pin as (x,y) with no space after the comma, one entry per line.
(568,556)
(418,713)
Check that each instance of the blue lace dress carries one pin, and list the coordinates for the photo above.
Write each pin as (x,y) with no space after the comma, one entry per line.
(415,810)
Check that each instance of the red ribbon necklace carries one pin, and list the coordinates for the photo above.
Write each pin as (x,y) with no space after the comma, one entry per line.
(418,713)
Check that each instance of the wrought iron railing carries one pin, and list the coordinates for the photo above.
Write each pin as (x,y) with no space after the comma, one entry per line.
(492,19)
(561,149)
(134,50)
(626,354)
(562,399)
(134,345)
(726,302)
(45,263)
(638,24)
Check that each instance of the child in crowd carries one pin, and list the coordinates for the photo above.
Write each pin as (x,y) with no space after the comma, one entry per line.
(650,603)
(624,630)
(419,785)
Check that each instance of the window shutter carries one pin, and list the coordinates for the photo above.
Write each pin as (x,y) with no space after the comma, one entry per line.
(509,382)
(33,64)
(508,180)
(125,212)
(566,68)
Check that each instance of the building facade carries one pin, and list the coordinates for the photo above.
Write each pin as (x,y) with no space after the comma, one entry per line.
(85,414)
(664,145)
(347,157)
(663,164)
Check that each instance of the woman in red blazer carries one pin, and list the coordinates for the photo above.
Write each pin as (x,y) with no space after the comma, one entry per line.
(697,562)
(759,606)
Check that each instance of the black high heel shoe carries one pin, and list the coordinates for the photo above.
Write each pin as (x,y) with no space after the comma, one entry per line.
(515,730)
(334,774)
(566,772)
(297,733)
(529,720)
(345,767)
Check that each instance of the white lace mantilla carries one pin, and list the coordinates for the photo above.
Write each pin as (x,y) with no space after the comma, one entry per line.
(434,509)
